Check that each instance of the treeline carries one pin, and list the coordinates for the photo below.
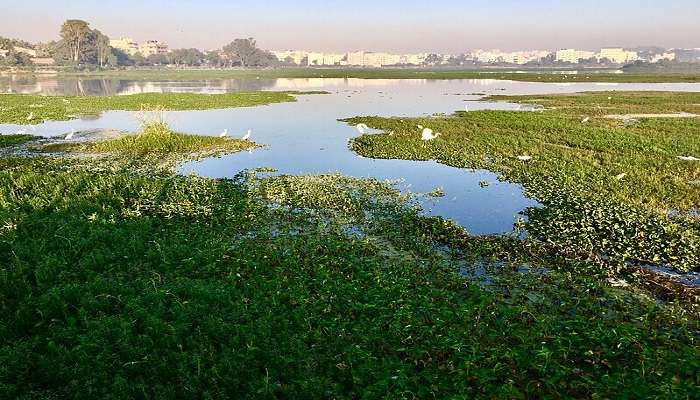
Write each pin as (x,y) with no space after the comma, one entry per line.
(83,47)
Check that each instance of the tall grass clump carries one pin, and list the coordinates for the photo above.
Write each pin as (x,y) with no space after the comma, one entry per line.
(156,138)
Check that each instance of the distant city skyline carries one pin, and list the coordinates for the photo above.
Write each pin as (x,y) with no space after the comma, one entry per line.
(392,26)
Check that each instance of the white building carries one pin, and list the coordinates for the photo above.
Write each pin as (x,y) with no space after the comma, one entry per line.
(617,55)
(296,57)
(669,56)
(152,47)
(573,55)
(125,44)
(325,59)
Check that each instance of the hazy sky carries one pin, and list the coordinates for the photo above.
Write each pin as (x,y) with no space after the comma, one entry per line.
(389,25)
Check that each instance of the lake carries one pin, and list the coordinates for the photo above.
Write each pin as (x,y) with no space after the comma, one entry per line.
(305,137)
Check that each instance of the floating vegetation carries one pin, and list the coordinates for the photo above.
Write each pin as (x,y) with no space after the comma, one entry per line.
(587,215)
(15,107)
(114,282)
(437,192)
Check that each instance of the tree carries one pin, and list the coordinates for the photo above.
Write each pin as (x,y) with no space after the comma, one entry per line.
(73,34)
(213,58)
(241,51)
(187,57)
(433,59)
(157,59)
(104,51)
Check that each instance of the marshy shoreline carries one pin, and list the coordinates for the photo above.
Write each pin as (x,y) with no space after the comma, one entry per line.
(121,276)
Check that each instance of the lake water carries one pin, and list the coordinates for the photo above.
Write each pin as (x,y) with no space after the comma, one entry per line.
(305,137)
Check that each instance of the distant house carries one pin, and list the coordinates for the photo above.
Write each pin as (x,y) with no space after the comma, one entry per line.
(153,47)
(618,55)
(573,55)
(125,44)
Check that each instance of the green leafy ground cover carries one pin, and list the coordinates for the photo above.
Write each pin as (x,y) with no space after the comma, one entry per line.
(115,283)
(607,186)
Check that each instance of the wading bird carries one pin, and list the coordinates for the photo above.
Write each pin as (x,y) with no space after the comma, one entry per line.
(524,158)
(428,134)
(247,135)
(688,158)
(466,108)
(621,176)
(224,133)
(583,121)
(70,135)
(30,116)
(362,128)
(419,126)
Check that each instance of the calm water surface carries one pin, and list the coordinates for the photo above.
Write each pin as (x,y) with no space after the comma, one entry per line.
(306,137)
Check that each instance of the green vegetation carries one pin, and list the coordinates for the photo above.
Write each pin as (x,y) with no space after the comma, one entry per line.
(607,186)
(13,140)
(155,139)
(30,109)
(120,279)
(385,73)
(119,285)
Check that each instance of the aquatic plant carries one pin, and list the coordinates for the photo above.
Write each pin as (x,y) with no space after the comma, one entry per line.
(15,108)
(573,170)
(300,287)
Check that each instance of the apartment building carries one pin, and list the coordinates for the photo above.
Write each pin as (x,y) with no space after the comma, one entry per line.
(617,55)
(125,44)
(294,56)
(573,55)
(329,59)
(152,47)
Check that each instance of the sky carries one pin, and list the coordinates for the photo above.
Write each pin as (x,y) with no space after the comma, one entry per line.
(448,26)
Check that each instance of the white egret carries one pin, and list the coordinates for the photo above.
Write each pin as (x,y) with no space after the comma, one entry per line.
(583,121)
(621,176)
(466,108)
(30,116)
(247,135)
(524,158)
(70,135)
(419,126)
(362,128)
(688,158)
(224,133)
(428,134)
(21,132)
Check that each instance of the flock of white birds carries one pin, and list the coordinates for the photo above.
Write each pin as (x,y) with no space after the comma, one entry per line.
(245,137)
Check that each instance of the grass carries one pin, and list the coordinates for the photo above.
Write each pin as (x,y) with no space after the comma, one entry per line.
(31,109)
(155,139)
(117,285)
(590,213)
(13,140)
(389,73)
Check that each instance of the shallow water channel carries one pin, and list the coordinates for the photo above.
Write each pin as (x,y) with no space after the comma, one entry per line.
(305,137)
